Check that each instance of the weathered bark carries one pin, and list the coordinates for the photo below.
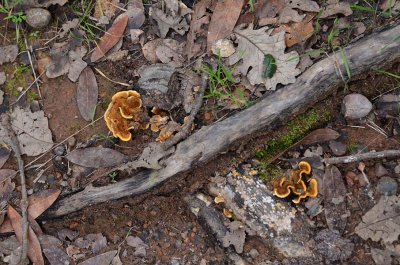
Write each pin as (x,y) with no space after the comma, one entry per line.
(317,82)
(274,220)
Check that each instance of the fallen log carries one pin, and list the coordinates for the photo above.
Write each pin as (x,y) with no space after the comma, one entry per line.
(378,49)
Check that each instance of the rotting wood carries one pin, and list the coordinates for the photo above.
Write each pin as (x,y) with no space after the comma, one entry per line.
(274,220)
(376,50)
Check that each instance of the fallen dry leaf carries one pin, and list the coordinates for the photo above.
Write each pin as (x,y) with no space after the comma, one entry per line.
(236,236)
(135,13)
(102,259)
(167,51)
(223,20)
(40,201)
(87,94)
(34,249)
(110,38)
(197,35)
(6,189)
(286,9)
(335,7)
(76,64)
(298,32)
(320,135)
(170,14)
(52,249)
(382,222)
(334,192)
(96,157)
(8,54)
(105,8)
(4,155)
(254,47)
(32,129)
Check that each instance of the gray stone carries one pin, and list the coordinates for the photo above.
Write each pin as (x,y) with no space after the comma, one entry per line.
(387,186)
(254,253)
(380,170)
(59,150)
(337,148)
(72,141)
(38,17)
(356,106)
(175,262)
(397,169)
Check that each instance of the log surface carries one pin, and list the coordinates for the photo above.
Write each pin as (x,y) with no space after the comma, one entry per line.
(376,50)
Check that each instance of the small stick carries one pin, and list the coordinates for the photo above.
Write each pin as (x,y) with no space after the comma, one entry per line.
(360,157)
(33,68)
(14,143)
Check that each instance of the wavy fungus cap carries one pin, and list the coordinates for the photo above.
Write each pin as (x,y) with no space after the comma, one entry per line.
(122,112)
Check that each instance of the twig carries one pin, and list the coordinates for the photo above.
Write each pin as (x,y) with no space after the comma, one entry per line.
(109,79)
(33,68)
(12,140)
(26,90)
(360,157)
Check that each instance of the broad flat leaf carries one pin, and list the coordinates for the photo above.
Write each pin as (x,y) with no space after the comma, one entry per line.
(96,157)
(8,54)
(289,11)
(76,64)
(52,249)
(253,46)
(110,38)
(102,259)
(135,13)
(336,7)
(167,51)
(170,15)
(105,8)
(320,135)
(32,130)
(382,222)
(34,249)
(334,192)
(87,94)
(40,201)
(197,35)
(298,32)
(4,155)
(223,20)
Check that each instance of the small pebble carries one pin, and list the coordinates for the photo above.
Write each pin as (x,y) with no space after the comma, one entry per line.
(380,170)
(71,141)
(38,17)
(337,148)
(356,106)
(387,186)
(254,253)
(30,191)
(59,150)
(35,106)
(175,262)
(397,169)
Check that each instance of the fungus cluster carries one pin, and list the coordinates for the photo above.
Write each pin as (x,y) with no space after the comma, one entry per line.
(297,185)
(123,114)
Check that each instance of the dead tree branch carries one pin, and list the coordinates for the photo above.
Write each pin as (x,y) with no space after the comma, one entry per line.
(361,157)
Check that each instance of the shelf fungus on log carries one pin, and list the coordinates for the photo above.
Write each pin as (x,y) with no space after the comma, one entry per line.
(123,114)
(296,185)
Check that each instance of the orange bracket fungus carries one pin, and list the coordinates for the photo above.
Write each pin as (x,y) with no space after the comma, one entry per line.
(296,185)
(123,114)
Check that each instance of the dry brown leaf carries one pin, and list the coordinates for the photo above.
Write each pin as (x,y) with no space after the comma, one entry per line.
(334,192)
(40,201)
(4,155)
(223,20)
(167,51)
(298,32)
(34,249)
(197,36)
(105,8)
(320,135)
(110,38)
(336,7)
(87,94)
(96,157)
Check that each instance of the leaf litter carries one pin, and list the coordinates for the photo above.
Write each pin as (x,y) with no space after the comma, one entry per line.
(87,94)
